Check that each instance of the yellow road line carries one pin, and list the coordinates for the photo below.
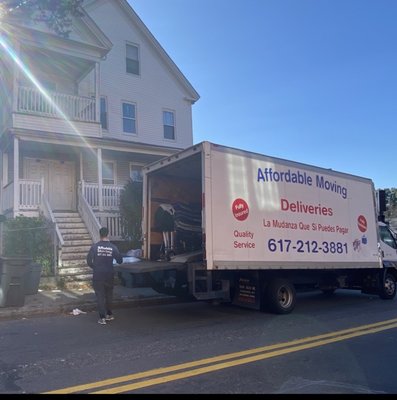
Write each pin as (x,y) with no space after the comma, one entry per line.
(241,357)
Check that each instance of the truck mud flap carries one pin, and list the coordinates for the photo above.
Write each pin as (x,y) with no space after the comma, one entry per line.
(247,291)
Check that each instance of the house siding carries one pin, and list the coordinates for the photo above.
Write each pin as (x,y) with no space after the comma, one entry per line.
(154,90)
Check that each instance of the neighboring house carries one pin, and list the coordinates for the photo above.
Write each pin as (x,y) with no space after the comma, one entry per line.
(80,116)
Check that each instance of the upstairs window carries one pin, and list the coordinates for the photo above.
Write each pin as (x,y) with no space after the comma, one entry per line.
(104,113)
(129,118)
(132,59)
(169,125)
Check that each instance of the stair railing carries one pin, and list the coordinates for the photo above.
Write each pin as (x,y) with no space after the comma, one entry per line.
(45,208)
(89,218)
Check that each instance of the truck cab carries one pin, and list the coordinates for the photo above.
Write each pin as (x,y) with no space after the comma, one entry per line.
(388,245)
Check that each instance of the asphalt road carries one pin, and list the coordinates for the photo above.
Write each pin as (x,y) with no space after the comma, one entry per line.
(343,344)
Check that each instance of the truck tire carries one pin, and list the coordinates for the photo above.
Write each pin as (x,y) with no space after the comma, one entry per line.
(388,289)
(281,296)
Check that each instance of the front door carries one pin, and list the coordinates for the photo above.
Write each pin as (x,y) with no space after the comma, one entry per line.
(59,178)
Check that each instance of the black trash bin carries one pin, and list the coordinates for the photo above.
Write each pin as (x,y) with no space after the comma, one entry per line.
(12,281)
(32,278)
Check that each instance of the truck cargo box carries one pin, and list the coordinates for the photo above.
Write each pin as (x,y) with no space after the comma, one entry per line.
(252,211)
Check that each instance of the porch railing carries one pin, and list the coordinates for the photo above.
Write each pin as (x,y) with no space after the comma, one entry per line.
(109,215)
(57,237)
(55,104)
(110,195)
(91,222)
(30,194)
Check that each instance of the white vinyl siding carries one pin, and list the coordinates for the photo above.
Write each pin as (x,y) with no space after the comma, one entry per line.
(155,90)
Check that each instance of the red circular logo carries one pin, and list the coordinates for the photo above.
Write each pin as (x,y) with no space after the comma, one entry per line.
(362,223)
(240,209)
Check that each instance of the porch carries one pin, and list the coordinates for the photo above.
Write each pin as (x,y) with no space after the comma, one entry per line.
(97,207)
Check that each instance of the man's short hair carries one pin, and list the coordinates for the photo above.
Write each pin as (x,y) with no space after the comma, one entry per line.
(103,232)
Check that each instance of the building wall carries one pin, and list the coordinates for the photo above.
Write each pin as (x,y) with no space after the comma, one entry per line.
(154,90)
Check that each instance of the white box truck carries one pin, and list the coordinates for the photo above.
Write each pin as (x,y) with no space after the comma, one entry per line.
(225,224)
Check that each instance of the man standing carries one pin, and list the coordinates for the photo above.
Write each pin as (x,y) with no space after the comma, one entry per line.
(100,259)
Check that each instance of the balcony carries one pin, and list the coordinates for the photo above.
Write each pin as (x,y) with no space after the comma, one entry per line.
(55,112)
(53,104)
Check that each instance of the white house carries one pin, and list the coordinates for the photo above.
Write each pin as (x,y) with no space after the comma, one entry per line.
(81,115)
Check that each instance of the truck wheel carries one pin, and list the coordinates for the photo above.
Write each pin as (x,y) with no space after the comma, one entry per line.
(388,289)
(281,296)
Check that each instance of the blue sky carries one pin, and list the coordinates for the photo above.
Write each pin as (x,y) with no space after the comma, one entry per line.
(313,81)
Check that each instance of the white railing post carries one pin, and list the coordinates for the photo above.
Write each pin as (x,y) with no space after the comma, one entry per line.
(1,197)
(16,176)
(42,187)
(100,194)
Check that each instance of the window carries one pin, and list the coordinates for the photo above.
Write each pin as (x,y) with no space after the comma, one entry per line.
(387,237)
(136,173)
(132,59)
(108,173)
(129,118)
(104,113)
(169,125)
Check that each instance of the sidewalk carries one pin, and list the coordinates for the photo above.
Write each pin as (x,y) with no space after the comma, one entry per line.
(52,302)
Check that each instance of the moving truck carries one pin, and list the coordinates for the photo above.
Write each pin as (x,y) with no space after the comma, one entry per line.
(225,224)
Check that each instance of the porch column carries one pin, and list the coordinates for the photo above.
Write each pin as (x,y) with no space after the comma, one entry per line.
(16,176)
(81,166)
(15,83)
(5,169)
(4,180)
(97,94)
(99,158)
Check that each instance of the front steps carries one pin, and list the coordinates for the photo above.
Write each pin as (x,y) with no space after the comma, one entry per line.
(74,271)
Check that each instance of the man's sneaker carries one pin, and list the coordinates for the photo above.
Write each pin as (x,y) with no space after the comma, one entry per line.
(102,321)
(109,317)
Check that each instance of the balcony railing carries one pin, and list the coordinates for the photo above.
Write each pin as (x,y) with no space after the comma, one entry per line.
(53,104)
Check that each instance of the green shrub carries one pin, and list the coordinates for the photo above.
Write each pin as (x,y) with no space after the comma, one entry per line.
(131,212)
(30,237)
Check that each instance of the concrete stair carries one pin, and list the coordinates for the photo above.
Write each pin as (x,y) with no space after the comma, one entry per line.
(74,271)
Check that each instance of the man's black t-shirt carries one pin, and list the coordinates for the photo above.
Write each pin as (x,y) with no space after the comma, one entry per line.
(100,259)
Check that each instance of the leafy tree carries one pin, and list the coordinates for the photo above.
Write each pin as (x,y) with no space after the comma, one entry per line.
(391,203)
(131,212)
(56,14)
